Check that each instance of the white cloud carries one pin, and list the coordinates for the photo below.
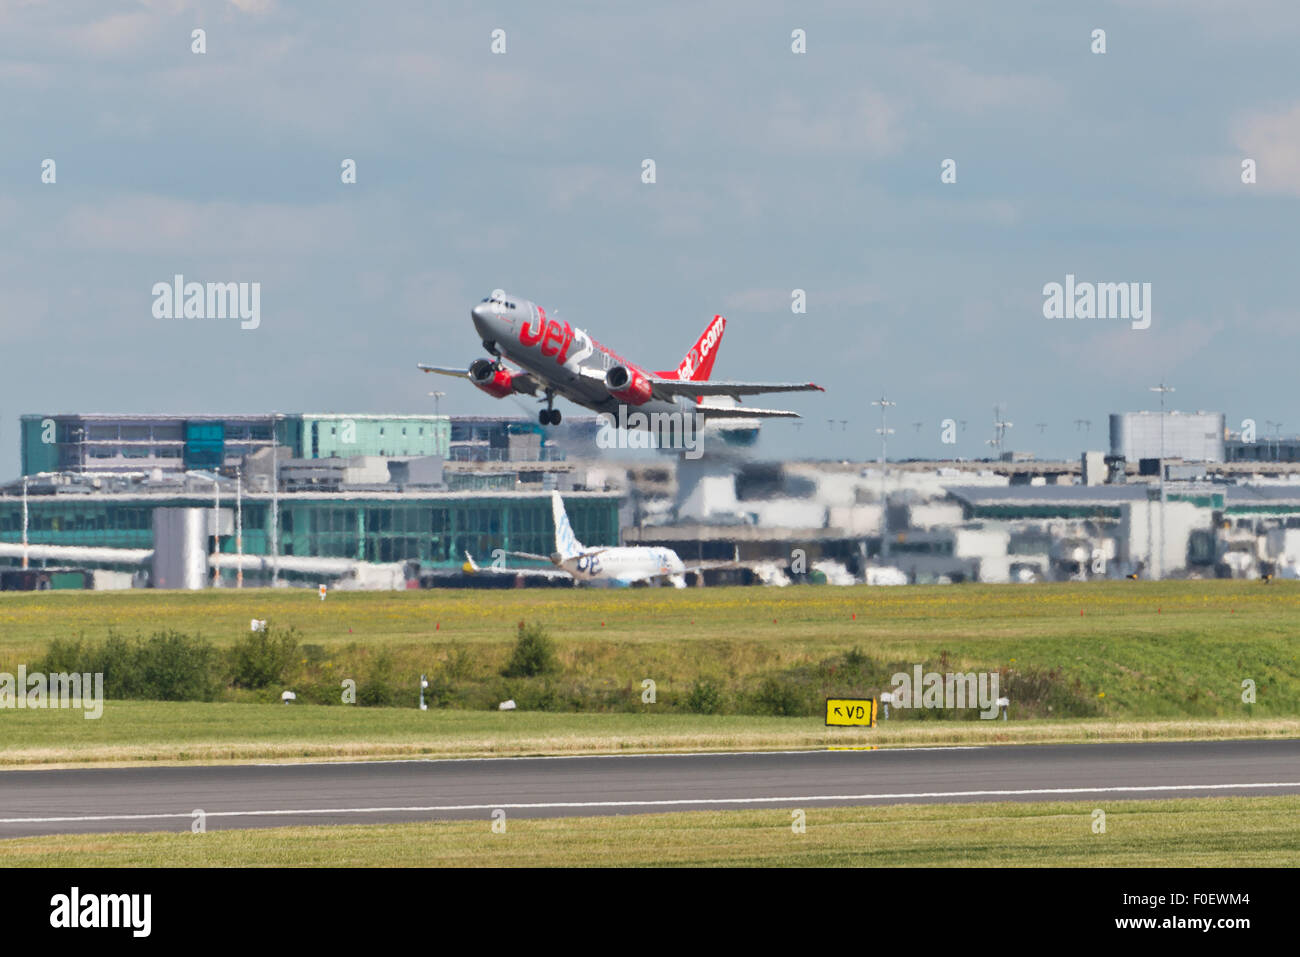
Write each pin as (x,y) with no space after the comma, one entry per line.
(1272,139)
(145,223)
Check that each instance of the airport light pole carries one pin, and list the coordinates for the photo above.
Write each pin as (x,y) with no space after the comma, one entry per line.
(275,499)
(216,528)
(1162,389)
(1000,427)
(884,431)
(24,523)
(239,527)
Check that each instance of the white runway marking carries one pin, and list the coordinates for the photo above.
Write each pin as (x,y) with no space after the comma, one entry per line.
(678,802)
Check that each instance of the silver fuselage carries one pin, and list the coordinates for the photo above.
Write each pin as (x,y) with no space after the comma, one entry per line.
(556,353)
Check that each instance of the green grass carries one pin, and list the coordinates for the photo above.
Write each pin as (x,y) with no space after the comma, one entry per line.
(1117,659)
(133,732)
(1000,617)
(1228,832)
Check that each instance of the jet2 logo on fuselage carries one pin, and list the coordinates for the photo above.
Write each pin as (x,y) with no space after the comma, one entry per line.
(555,339)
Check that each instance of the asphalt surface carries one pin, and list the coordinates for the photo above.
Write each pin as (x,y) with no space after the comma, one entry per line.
(274,795)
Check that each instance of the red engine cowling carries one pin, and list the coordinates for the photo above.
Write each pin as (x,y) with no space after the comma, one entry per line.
(627,385)
(497,383)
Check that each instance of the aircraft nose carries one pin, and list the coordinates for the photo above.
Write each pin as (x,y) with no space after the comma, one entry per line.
(491,324)
(484,315)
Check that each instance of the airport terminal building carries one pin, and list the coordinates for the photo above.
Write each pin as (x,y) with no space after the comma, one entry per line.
(412,492)
(175,443)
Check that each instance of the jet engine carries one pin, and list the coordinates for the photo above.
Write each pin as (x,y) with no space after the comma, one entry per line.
(496,382)
(628,386)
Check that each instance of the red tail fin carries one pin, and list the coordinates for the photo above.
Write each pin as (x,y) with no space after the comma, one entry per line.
(698,364)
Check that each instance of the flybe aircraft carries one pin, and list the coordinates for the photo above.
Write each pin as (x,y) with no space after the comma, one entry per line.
(608,567)
(555,359)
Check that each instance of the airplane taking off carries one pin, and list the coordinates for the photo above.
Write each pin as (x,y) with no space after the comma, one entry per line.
(609,566)
(556,359)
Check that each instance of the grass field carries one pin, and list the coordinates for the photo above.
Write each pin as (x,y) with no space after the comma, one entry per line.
(1119,660)
(131,732)
(1228,832)
(1003,617)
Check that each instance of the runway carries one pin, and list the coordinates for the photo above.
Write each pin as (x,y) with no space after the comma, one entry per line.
(274,795)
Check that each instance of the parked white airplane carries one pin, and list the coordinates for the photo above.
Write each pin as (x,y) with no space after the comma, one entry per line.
(612,566)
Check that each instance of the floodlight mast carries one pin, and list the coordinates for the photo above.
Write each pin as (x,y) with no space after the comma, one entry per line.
(884,431)
(1160,563)
(275,499)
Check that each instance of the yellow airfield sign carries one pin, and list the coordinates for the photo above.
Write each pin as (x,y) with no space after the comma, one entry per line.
(851,711)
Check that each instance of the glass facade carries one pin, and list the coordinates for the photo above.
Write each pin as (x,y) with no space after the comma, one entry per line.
(136,443)
(431,530)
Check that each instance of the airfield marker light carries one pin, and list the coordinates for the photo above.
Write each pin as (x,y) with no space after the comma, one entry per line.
(1004,704)
(886,699)
(424,683)
(323,591)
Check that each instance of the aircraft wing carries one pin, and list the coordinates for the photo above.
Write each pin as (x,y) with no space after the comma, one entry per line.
(672,388)
(743,412)
(537,558)
(524,382)
(472,567)
(444,370)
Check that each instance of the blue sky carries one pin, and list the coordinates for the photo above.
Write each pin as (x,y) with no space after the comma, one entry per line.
(775,171)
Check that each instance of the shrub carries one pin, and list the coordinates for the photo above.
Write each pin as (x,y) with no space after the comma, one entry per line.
(855,659)
(705,697)
(459,664)
(376,693)
(175,667)
(777,697)
(379,689)
(533,655)
(262,658)
(440,692)
(169,666)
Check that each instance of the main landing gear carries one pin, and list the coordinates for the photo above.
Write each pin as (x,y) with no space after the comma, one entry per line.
(549,415)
